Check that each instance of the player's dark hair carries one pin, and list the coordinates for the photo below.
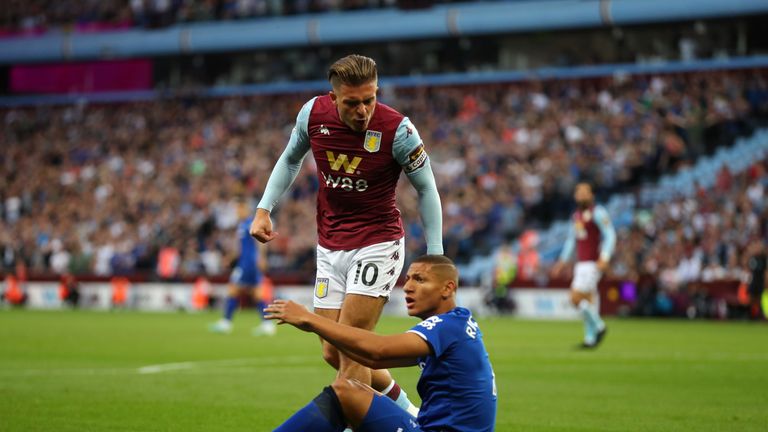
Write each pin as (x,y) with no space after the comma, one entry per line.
(434,259)
(440,263)
(352,70)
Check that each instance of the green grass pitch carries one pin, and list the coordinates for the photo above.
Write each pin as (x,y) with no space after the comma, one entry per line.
(125,371)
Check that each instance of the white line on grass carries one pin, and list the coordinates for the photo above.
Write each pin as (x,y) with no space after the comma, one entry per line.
(207,364)
(241,365)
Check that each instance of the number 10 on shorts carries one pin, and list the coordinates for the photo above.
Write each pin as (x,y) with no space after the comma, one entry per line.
(369,273)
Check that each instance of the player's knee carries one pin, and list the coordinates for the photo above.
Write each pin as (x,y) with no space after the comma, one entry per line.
(233,291)
(331,355)
(575,299)
(342,388)
(346,390)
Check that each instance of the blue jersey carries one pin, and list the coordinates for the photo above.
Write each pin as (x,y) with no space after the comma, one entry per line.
(457,385)
(247,270)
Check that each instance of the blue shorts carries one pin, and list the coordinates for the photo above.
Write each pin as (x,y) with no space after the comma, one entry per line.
(245,277)
(385,416)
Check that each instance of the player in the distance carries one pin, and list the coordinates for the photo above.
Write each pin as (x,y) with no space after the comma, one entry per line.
(457,385)
(360,146)
(593,238)
(246,277)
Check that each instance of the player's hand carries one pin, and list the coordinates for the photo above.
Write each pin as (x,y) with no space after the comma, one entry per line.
(602,265)
(289,312)
(261,227)
(557,269)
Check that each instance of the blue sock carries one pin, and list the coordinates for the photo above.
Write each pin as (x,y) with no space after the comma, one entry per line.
(323,414)
(260,306)
(229,307)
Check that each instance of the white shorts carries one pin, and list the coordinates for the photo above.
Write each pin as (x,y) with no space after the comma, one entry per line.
(371,271)
(585,277)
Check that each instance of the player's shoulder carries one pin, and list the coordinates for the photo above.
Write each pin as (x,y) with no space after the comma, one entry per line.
(319,107)
(456,317)
(599,211)
(387,117)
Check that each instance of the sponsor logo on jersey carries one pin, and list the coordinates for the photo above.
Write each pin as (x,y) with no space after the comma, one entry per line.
(321,287)
(416,159)
(342,160)
(431,322)
(372,141)
(324,130)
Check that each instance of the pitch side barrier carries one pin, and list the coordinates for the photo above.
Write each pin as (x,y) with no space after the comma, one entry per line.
(441,21)
(531,301)
(469,78)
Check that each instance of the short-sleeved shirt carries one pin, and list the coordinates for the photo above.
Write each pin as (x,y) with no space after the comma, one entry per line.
(457,384)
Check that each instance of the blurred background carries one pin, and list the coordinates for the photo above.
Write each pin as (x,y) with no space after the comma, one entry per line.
(131,128)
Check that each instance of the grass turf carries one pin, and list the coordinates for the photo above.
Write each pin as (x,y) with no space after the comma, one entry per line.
(82,371)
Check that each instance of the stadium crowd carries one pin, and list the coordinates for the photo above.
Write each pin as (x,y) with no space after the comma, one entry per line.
(36,16)
(711,236)
(109,189)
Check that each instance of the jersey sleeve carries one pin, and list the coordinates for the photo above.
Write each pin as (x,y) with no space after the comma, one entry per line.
(439,332)
(608,233)
(287,167)
(570,243)
(408,149)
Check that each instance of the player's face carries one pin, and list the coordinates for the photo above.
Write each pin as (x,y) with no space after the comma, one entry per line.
(583,196)
(425,292)
(355,104)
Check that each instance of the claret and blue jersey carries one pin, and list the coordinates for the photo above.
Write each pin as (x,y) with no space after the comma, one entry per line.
(457,384)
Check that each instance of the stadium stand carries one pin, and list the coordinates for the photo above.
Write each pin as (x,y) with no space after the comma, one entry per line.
(113,185)
(39,16)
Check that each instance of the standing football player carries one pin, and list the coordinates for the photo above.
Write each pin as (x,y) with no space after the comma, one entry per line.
(246,277)
(593,238)
(360,146)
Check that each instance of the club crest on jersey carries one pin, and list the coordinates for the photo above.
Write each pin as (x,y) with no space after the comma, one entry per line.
(372,141)
(321,287)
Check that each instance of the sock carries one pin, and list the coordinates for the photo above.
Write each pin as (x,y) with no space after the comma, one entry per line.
(595,316)
(323,414)
(392,391)
(397,394)
(260,306)
(229,307)
(590,331)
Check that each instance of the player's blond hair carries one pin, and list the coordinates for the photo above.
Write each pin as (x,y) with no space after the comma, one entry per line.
(352,70)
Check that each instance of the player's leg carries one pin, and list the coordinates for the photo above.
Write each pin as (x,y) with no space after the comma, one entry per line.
(580,301)
(330,353)
(369,411)
(350,402)
(585,297)
(363,312)
(381,379)
(231,303)
(266,327)
(371,274)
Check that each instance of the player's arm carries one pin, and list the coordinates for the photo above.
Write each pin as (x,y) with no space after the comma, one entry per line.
(363,346)
(283,174)
(608,237)
(567,252)
(408,150)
